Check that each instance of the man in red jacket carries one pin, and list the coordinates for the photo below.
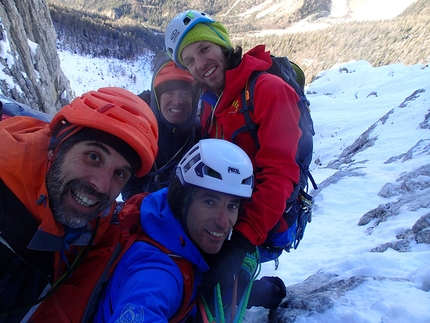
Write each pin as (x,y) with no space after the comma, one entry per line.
(202,45)
(58,187)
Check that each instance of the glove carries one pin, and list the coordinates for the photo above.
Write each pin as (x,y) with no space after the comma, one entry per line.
(224,265)
(267,292)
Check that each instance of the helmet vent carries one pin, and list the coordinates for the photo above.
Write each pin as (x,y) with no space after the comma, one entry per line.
(248,181)
(191,162)
(211,172)
(116,117)
(105,107)
(132,110)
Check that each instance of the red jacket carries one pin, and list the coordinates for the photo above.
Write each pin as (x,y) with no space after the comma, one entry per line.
(277,115)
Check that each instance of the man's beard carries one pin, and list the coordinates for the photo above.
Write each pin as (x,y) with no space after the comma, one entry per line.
(218,88)
(57,188)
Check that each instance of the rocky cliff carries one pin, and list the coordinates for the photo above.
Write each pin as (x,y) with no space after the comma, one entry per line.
(30,69)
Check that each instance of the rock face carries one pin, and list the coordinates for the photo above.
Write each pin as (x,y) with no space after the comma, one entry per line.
(30,70)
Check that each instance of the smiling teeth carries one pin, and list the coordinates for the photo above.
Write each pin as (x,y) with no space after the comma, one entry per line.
(209,72)
(83,200)
(216,234)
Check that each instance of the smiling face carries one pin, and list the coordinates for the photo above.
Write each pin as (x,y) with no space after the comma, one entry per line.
(84,180)
(207,63)
(176,105)
(210,218)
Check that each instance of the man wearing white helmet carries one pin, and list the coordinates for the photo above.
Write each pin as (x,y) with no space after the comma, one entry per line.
(191,218)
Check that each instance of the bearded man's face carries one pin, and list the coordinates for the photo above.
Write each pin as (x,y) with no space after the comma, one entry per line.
(84,180)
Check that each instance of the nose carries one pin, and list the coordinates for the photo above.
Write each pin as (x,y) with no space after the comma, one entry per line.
(200,62)
(101,181)
(177,97)
(222,219)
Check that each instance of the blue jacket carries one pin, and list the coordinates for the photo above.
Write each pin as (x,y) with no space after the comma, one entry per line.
(147,284)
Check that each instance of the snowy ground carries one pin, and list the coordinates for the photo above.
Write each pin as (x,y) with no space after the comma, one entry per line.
(346,101)
(341,11)
(87,73)
(372,128)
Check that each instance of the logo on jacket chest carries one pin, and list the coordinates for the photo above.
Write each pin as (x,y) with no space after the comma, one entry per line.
(234,107)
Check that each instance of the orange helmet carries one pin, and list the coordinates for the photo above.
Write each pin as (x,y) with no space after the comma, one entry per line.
(171,72)
(118,112)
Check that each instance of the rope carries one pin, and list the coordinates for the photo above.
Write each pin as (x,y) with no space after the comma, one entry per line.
(251,267)
(219,308)
(204,310)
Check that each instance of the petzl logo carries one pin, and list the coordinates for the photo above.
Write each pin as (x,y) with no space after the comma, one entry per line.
(233,170)
(174,36)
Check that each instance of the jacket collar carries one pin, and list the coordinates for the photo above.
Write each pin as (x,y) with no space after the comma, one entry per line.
(256,59)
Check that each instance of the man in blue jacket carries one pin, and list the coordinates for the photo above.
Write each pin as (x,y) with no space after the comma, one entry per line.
(191,218)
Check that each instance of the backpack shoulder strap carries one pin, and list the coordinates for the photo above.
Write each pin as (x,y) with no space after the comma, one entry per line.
(247,97)
(129,219)
(187,271)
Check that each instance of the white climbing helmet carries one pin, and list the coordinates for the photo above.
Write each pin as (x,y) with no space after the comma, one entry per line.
(217,165)
(178,27)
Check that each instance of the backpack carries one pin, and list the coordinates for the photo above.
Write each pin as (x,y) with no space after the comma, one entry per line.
(298,210)
(145,96)
(92,275)
(10,107)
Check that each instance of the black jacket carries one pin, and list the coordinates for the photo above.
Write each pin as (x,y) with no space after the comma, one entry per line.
(24,273)
(173,142)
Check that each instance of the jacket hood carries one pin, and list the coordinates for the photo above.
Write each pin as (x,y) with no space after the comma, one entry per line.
(173,137)
(25,177)
(165,126)
(160,224)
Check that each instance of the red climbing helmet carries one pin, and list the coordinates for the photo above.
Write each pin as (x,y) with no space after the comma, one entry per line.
(117,112)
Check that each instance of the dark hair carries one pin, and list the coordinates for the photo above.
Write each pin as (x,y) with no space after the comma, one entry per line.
(179,196)
(175,196)
(233,56)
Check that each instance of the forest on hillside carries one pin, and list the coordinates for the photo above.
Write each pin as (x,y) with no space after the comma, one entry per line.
(96,35)
(155,14)
(404,39)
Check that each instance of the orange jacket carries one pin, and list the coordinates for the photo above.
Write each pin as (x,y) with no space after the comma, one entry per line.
(23,165)
(23,162)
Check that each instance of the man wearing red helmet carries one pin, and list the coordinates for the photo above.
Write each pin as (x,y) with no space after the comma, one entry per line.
(58,185)
(173,99)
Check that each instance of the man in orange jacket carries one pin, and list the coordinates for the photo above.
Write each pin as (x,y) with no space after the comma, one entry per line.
(58,189)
